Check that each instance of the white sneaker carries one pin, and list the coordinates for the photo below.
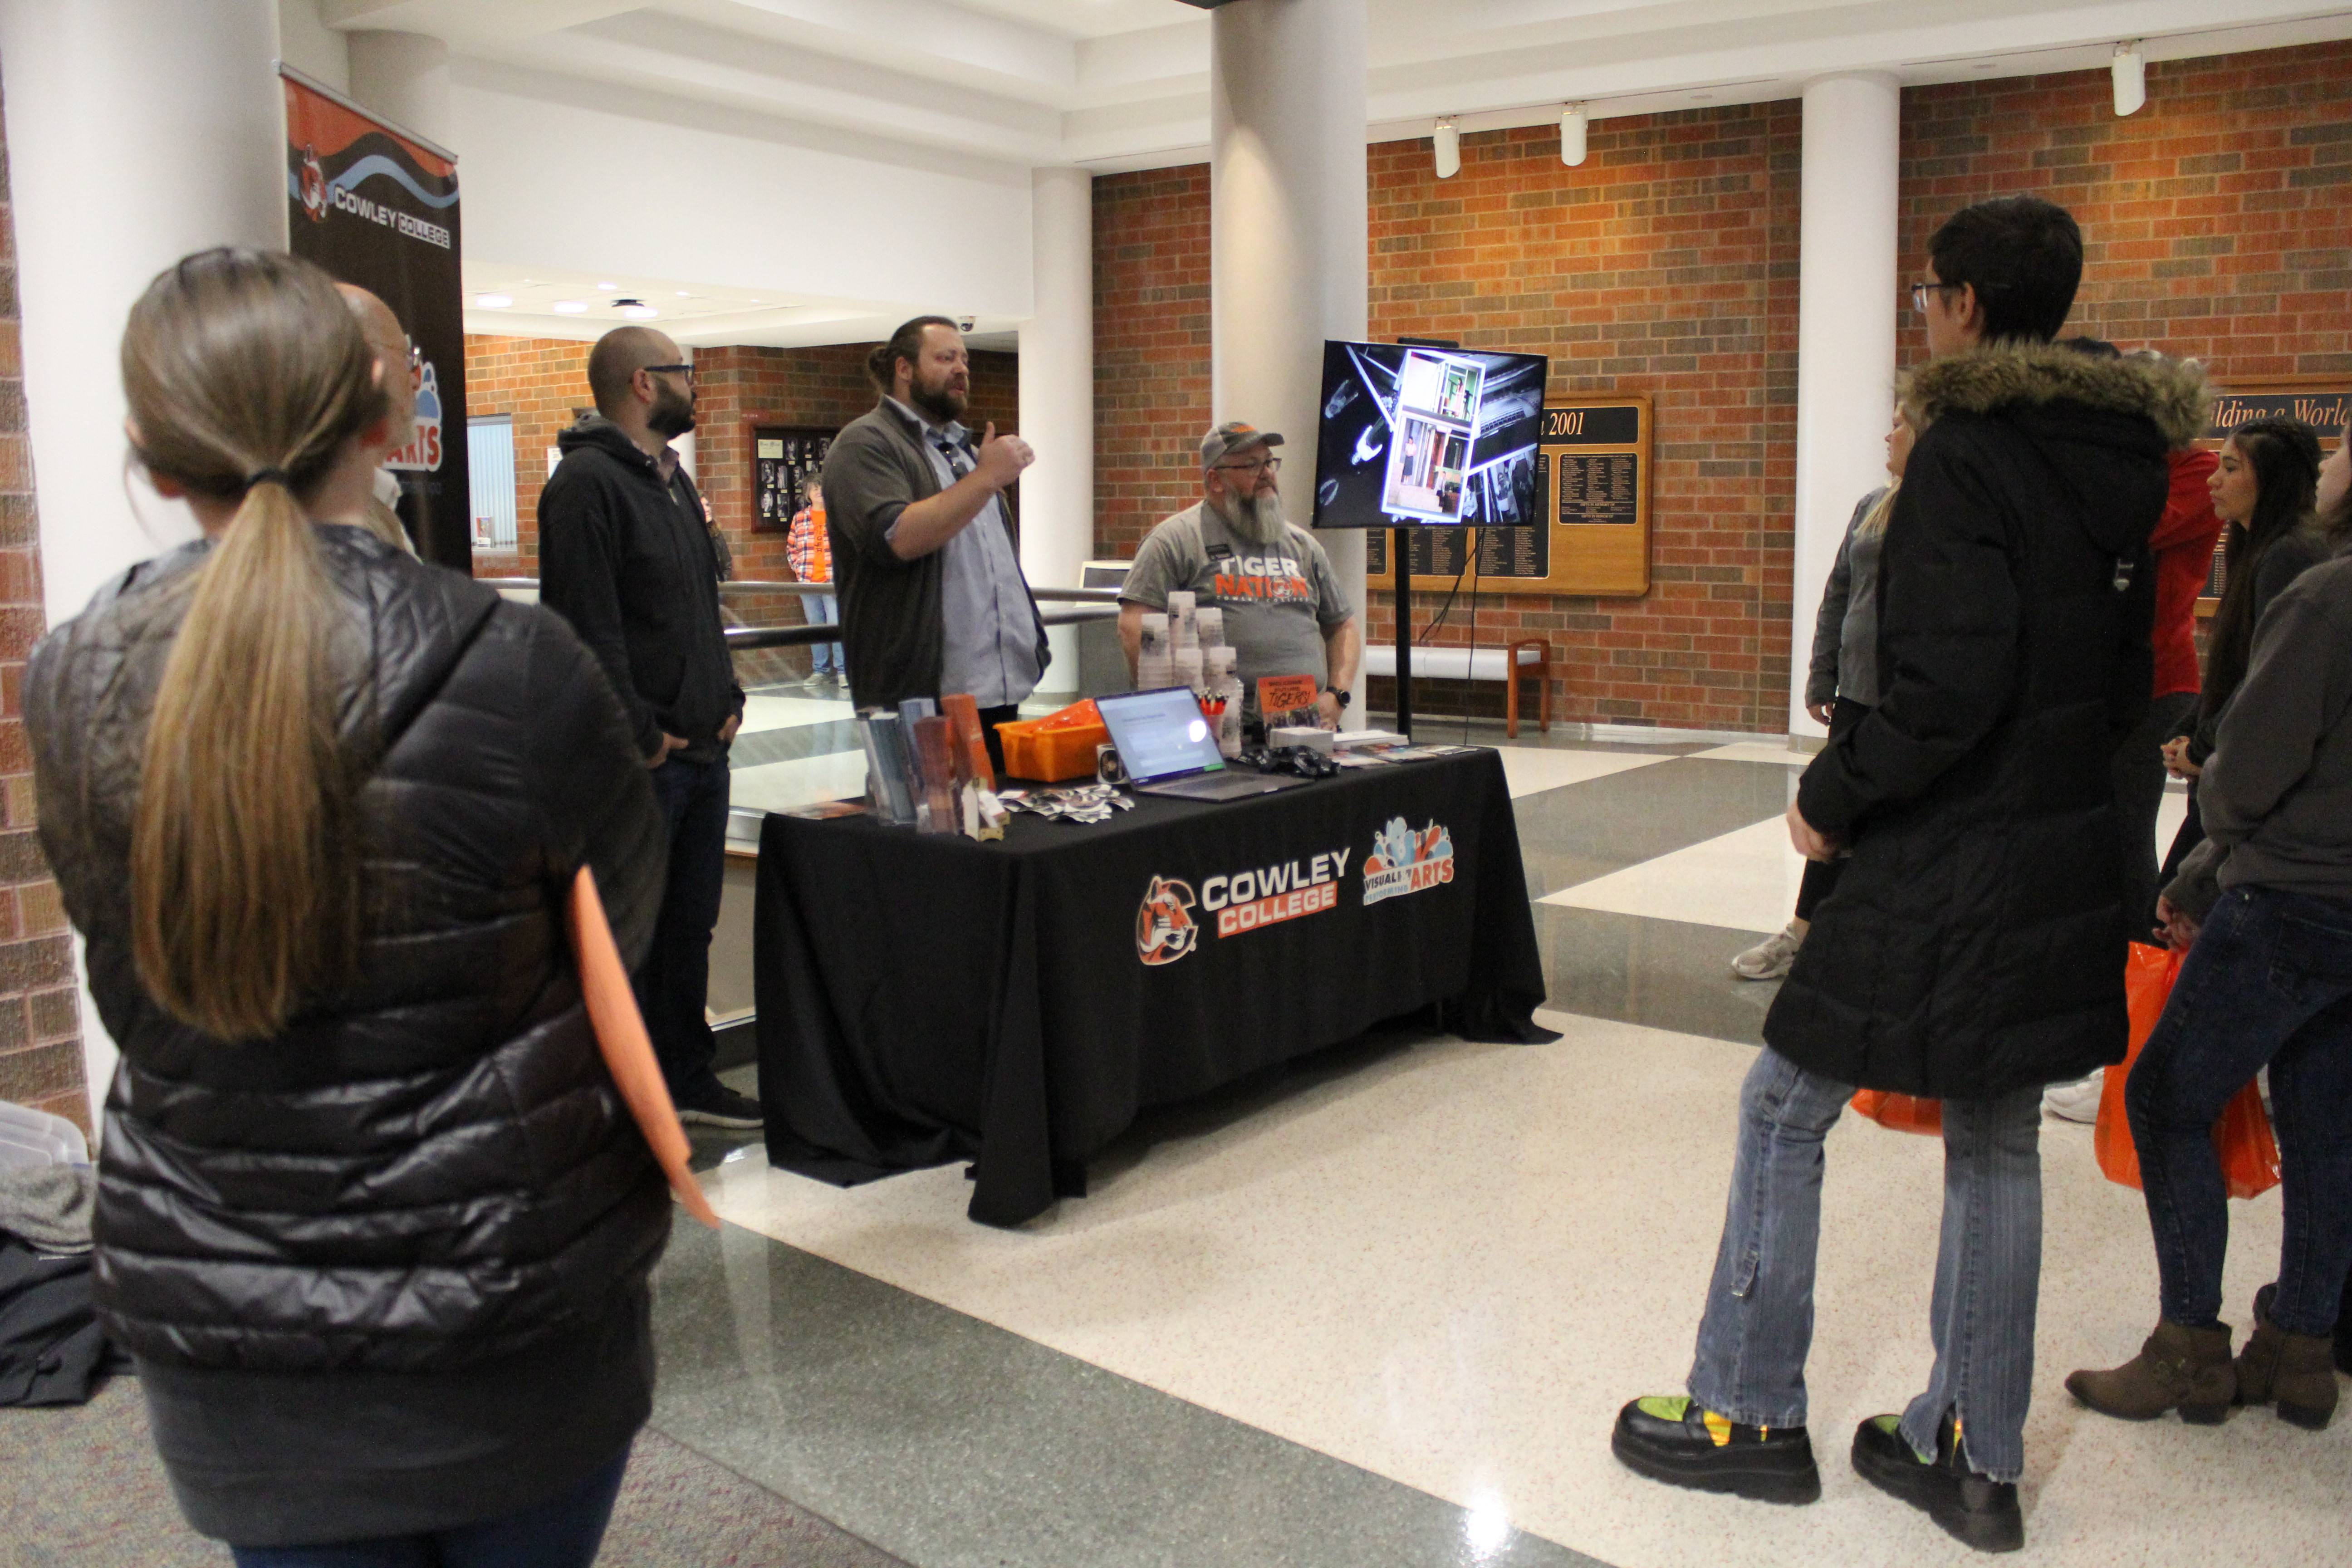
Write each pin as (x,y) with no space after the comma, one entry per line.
(2076,1102)
(1769,959)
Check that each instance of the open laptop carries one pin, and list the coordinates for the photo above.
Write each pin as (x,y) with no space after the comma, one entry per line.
(1167,748)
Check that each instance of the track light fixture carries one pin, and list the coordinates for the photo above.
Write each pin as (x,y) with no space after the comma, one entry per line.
(2131,77)
(1572,135)
(1447,142)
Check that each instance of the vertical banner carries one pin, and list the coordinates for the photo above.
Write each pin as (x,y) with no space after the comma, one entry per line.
(379,208)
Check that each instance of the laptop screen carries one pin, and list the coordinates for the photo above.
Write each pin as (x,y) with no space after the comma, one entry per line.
(1161,734)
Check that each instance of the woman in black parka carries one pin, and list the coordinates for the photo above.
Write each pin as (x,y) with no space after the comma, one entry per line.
(1974,947)
(372,1217)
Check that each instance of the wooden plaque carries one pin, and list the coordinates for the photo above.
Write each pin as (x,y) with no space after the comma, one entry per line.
(1594,475)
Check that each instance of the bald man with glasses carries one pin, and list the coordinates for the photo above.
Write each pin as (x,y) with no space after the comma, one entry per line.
(1285,611)
(626,555)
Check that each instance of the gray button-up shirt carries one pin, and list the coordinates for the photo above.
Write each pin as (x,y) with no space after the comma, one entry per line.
(987,618)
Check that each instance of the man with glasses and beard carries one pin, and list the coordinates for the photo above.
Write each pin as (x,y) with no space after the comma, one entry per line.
(932,598)
(1285,611)
(625,556)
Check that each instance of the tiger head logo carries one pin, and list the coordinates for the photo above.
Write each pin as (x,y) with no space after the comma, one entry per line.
(314,186)
(1164,928)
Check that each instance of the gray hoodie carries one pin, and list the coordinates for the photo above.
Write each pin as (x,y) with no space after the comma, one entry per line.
(2276,795)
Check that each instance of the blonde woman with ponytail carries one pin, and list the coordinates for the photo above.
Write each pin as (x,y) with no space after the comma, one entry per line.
(371,1218)
(1841,682)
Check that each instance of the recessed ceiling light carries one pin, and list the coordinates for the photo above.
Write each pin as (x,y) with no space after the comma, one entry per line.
(684,295)
(603,284)
(639,312)
(493,301)
(568,307)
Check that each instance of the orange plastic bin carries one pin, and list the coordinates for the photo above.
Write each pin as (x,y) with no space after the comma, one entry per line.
(1058,746)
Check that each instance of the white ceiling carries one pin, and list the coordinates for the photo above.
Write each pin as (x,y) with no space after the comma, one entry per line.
(1123,84)
(1117,85)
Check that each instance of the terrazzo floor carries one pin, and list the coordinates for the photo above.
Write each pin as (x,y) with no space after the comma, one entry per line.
(1383,1307)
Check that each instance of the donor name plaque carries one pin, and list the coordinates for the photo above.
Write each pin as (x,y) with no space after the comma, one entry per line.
(1593,477)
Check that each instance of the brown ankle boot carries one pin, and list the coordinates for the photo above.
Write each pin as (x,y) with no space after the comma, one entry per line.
(2180,1368)
(2297,1371)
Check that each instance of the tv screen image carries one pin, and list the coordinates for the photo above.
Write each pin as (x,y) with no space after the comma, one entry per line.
(1413,435)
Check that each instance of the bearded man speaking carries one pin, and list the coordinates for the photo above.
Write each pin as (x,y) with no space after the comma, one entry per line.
(1285,611)
(932,598)
(626,555)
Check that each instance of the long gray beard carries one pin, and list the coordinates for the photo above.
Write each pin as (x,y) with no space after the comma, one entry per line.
(1258,519)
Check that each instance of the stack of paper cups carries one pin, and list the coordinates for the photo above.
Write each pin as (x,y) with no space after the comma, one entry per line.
(1224,683)
(1187,669)
(1209,622)
(1153,667)
(1183,626)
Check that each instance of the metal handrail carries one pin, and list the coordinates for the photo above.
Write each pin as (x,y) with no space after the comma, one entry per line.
(742,637)
(1055,595)
(1058,596)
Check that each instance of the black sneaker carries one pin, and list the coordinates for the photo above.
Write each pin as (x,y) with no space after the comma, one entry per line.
(1671,1438)
(720,1106)
(1981,1511)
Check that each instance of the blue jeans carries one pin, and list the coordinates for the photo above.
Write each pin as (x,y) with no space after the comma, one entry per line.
(2270,981)
(1758,1327)
(673,984)
(823,609)
(564,1531)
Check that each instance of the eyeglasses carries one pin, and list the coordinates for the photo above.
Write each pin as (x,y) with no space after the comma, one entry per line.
(416,357)
(1264,465)
(1920,292)
(685,370)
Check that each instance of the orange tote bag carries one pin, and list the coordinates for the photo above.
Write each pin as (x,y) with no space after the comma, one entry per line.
(627,1049)
(1902,1112)
(2250,1164)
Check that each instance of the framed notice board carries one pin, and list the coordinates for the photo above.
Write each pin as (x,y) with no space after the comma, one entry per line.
(785,462)
(2322,401)
(1594,477)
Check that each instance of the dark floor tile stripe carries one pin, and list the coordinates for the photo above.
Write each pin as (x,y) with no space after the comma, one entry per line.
(953,1443)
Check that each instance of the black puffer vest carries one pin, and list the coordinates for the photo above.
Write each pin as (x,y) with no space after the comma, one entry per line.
(432,1169)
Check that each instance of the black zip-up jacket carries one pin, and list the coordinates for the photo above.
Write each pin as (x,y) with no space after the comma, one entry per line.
(1975,943)
(626,558)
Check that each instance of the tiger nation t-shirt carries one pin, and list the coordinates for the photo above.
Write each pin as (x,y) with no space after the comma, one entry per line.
(1279,600)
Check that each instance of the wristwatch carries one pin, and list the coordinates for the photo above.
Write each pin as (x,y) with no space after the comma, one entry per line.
(1345,697)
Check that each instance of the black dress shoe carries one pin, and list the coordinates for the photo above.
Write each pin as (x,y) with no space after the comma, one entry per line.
(1671,1438)
(1981,1511)
(716,1105)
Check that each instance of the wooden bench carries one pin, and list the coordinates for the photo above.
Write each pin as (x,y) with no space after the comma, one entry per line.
(1509,666)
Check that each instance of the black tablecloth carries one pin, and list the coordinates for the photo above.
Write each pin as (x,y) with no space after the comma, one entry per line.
(930,998)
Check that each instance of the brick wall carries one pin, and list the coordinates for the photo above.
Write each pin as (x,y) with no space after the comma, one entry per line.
(2215,221)
(1666,263)
(40,1011)
(1151,350)
(540,381)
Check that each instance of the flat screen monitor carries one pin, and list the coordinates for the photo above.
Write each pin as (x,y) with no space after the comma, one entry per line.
(1413,435)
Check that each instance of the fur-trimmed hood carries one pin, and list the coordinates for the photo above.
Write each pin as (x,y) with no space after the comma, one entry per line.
(2172,393)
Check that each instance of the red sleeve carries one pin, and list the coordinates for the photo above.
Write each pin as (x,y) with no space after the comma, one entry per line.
(2189,508)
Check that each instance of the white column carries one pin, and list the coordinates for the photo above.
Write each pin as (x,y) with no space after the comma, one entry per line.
(1288,226)
(1845,333)
(138,130)
(1058,398)
(405,76)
